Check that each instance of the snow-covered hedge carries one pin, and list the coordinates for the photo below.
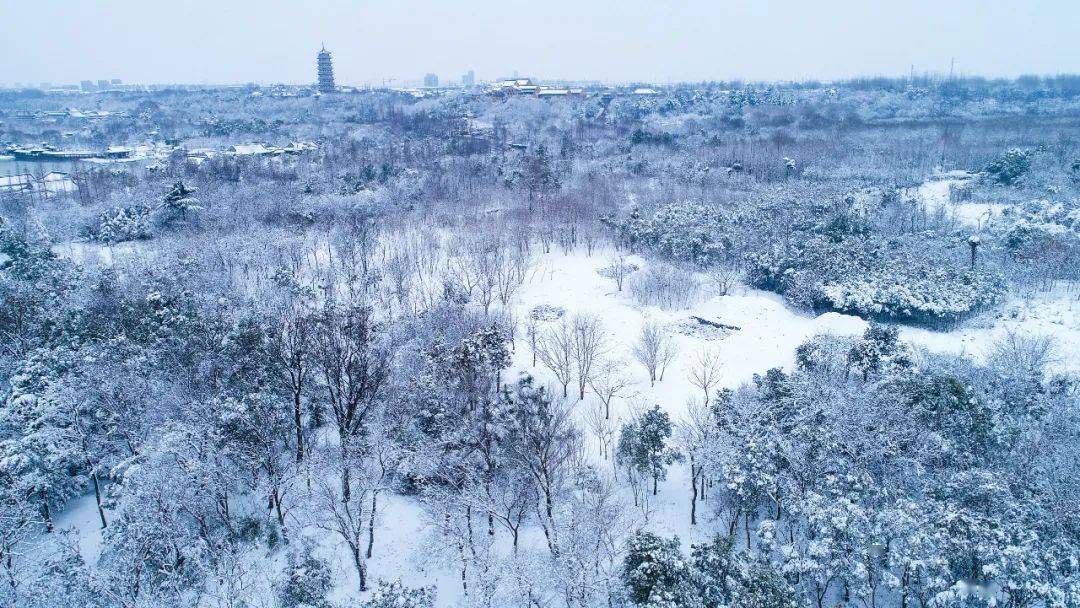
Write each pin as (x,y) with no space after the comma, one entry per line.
(914,279)
(685,231)
(832,259)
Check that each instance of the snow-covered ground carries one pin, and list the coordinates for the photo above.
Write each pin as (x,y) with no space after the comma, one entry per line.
(768,333)
(935,194)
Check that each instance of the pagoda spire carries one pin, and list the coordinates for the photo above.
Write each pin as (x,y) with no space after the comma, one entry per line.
(325,71)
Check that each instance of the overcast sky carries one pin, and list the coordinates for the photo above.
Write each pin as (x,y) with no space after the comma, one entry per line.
(230,41)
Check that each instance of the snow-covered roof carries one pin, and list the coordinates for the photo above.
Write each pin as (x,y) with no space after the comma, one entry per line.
(251,149)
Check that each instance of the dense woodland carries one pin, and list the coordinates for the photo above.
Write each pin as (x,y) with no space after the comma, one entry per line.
(247,367)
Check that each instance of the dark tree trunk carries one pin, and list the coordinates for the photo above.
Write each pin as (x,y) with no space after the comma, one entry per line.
(346,491)
(361,569)
(275,503)
(97,496)
(298,423)
(693,495)
(551,519)
(46,513)
(904,589)
(371,522)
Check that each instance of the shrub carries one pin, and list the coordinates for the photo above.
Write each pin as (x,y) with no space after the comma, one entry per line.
(307,581)
(121,224)
(1009,167)
(665,285)
(396,595)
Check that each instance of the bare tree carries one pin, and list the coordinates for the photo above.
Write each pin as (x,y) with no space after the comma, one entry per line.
(556,352)
(669,286)
(589,236)
(461,270)
(668,352)
(509,500)
(592,560)
(343,513)
(546,231)
(398,278)
(489,270)
(589,345)
(705,370)
(487,262)
(544,442)
(618,269)
(510,324)
(291,342)
(724,278)
(1025,353)
(511,273)
(603,428)
(654,350)
(355,364)
(695,434)
(382,455)
(532,332)
(608,382)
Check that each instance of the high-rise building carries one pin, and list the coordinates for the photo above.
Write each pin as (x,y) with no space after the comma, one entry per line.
(468,79)
(326,72)
(431,81)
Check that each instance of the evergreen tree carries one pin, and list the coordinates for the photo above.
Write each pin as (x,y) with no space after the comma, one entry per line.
(656,574)
(645,446)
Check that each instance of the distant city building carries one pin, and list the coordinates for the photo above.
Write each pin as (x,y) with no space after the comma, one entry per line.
(515,85)
(116,82)
(103,84)
(525,86)
(326,72)
(431,81)
(468,79)
(87,85)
